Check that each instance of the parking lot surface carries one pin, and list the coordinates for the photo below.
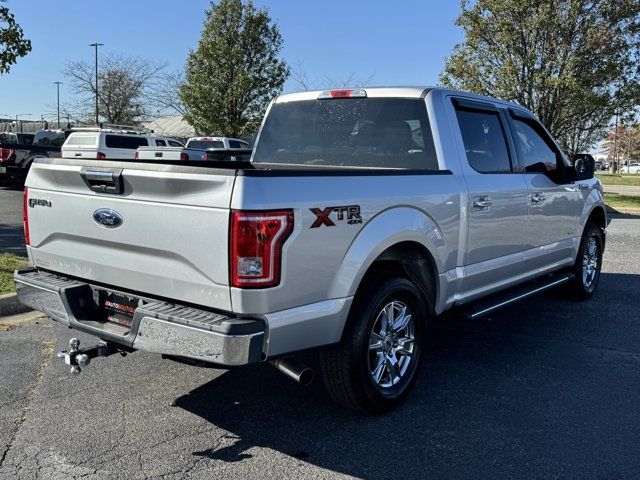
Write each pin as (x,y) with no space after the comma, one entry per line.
(546,388)
(11,230)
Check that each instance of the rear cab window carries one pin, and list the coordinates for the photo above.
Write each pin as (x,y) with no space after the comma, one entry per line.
(204,144)
(78,139)
(8,138)
(388,132)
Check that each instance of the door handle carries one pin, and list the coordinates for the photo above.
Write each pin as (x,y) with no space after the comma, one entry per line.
(537,198)
(482,203)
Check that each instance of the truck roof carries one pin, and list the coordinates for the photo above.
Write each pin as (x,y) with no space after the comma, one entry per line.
(400,92)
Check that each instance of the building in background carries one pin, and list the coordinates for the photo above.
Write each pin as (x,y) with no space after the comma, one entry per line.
(171,126)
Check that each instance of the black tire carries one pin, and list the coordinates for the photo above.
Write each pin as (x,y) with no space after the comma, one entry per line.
(346,368)
(586,268)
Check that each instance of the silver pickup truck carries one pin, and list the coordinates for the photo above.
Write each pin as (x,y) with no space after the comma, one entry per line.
(362,214)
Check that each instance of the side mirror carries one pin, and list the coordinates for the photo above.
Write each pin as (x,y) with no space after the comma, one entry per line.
(584,165)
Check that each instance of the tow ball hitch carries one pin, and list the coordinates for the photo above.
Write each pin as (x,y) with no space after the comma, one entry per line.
(78,357)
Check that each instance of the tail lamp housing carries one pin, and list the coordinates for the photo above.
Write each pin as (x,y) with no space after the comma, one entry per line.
(25,215)
(5,154)
(255,247)
(100,156)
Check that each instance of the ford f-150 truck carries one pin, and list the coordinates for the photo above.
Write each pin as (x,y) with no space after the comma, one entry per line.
(362,214)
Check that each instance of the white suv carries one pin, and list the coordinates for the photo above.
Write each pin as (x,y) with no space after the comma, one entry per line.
(111,144)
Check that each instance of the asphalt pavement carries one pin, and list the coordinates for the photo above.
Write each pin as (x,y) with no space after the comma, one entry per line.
(11,230)
(547,388)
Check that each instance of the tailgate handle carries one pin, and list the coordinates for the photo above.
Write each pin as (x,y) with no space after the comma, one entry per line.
(103,181)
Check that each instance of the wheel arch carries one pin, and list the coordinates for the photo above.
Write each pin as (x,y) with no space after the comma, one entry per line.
(402,240)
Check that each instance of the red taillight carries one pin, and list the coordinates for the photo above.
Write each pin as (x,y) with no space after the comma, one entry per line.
(184,156)
(255,252)
(5,154)
(136,156)
(25,215)
(100,156)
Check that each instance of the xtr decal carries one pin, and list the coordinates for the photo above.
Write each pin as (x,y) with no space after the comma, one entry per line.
(351,213)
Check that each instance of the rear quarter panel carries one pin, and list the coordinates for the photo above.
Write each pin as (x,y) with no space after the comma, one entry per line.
(328,262)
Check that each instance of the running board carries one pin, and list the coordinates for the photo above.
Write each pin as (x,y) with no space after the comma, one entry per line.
(502,299)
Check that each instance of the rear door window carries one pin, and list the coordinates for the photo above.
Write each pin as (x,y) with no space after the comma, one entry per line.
(123,141)
(173,143)
(484,140)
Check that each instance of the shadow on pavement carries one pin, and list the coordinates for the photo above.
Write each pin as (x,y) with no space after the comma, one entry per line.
(544,388)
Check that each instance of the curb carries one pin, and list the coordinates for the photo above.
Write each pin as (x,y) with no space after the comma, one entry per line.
(10,305)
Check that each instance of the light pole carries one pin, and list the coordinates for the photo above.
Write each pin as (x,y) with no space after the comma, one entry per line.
(96,45)
(58,89)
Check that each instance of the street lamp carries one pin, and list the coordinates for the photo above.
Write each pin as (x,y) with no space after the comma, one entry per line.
(96,45)
(58,89)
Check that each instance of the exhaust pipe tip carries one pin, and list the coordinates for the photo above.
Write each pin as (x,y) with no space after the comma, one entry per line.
(295,370)
(306,377)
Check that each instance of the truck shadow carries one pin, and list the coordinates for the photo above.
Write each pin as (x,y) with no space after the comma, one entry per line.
(538,389)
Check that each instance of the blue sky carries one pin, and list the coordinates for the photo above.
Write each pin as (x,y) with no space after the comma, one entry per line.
(393,43)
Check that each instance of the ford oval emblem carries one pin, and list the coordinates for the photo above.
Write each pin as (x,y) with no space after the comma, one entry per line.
(107,218)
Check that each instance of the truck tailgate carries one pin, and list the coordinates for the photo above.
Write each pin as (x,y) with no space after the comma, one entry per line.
(172,236)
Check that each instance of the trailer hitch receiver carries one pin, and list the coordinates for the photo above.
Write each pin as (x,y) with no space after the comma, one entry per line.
(77,357)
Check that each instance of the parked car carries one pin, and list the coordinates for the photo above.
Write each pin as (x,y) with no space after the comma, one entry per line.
(195,149)
(362,214)
(633,167)
(18,150)
(112,143)
(599,165)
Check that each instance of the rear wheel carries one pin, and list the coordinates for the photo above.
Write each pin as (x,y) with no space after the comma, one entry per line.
(586,268)
(377,361)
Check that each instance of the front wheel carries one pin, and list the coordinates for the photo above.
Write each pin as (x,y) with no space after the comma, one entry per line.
(378,359)
(586,268)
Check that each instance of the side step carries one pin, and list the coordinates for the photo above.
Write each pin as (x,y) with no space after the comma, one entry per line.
(502,299)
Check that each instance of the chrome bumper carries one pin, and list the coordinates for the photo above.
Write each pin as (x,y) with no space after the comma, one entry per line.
(157,326)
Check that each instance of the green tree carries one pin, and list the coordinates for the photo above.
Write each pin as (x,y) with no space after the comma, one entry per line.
(235,71)
(574,63)
(12,41)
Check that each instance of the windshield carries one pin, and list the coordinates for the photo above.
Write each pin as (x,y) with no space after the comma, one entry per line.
(204,144)
(363,132)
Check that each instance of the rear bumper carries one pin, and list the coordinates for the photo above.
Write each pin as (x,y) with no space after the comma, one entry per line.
(157,326)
